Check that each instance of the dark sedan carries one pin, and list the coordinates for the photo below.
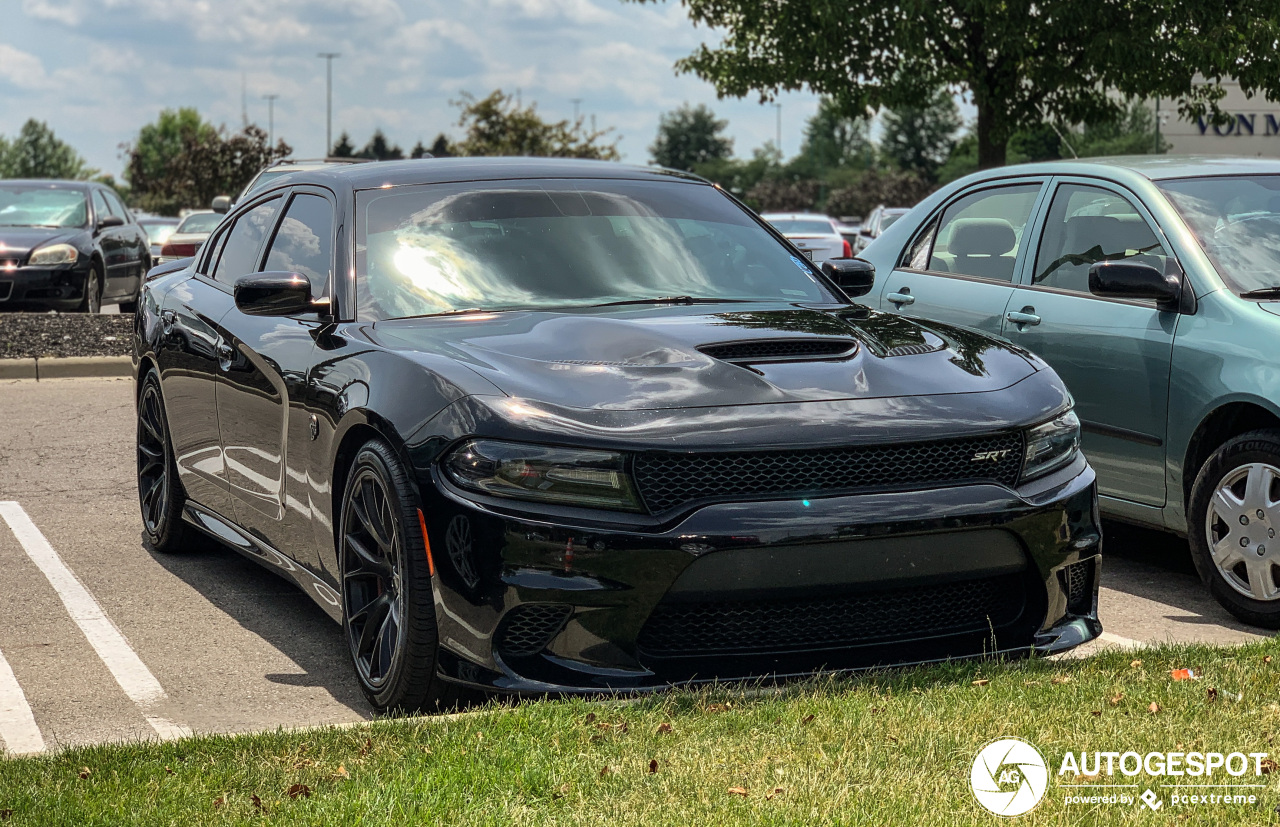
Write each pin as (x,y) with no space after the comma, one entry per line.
(69,245)
(544,425)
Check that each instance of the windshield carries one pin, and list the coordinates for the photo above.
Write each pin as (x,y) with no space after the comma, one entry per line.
(158,232)
(802,226)
(42,206)
(1236,219)
(546,244)
(201,222)
(266,178)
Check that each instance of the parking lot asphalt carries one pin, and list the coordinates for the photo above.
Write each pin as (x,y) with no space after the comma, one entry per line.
(103,640)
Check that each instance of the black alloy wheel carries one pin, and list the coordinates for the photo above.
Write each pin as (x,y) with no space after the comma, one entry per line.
(160,493)
(388,611)
(91,301)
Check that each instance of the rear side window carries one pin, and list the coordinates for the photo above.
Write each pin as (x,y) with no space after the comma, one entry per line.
(239,255)
(1087,225)
(304,242)
(117,208)
(980,234)
(100,207)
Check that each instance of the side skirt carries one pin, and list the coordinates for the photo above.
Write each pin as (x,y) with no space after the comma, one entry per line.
(231,535)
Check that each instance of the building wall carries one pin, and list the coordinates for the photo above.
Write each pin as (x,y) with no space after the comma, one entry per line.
(1254,128)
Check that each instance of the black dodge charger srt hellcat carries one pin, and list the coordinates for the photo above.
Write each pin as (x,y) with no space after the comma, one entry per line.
(556,426)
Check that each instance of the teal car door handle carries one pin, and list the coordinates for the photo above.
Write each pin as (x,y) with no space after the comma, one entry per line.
(901,298)
(1024,316)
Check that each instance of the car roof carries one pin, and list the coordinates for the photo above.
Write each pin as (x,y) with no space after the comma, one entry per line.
(453,170)
(1151,167)
(52,183)
(768,215)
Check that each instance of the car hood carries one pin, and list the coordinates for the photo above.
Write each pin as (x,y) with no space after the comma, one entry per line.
(662,357)
(22,240)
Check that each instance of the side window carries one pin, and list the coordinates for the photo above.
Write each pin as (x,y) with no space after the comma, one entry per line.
(117,208)
(100,208)
(1087,225)
(304,242)
(239,255)
(981,233)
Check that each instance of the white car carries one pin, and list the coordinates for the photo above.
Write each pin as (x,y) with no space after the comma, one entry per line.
(817,236)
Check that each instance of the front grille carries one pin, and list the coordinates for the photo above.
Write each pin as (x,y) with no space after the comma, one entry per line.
(529,628)
(765,626)
(666,481)
(780,349)
(1077,584)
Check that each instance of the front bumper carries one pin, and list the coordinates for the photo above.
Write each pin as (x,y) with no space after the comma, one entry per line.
(60,287)
(535,603)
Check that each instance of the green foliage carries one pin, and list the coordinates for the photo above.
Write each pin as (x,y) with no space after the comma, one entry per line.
(380,149)
(893,188)
(499,125)
(35,152)
(180,161)
(689,136)
(833,139)
(920,138)
(343,148)
(1022,63)
(441,147)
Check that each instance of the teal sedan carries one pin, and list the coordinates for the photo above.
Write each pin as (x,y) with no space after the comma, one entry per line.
(1152,286)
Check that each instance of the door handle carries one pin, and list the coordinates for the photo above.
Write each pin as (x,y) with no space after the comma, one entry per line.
(1023,317)
(904,297)
(168,318)
(225,354)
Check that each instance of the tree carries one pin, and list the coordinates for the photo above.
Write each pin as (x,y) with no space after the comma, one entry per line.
(689,136)
(343,148)
(37,153)
(442,148)
(159,143)
(419,151)
(499,125)
(833,139)
(893,188)
(207,163)
(920,138)
(1022,62)
(380,149)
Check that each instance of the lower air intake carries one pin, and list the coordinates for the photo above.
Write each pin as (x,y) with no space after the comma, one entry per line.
(528,629)
(1077,582)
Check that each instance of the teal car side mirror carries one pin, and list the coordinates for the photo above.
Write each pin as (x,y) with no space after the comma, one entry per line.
(1134,281)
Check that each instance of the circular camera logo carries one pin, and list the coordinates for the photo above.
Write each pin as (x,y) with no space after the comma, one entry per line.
(1009,777)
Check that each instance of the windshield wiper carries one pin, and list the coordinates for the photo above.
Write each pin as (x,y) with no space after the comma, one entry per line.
(672,300)
(1262,293)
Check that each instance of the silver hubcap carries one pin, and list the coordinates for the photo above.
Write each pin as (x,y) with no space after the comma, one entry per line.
(1241,530)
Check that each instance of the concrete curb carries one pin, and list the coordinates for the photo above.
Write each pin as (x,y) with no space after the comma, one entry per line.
(70,367)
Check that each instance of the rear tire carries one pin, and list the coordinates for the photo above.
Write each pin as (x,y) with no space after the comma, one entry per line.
(1233,520)
(388,615)
(160,494)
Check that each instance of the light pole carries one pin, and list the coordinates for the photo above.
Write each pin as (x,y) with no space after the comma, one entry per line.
(575,102)
(778,106)
(271,121)
(328,100)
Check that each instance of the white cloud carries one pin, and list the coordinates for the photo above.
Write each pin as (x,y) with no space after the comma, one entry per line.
(21,69)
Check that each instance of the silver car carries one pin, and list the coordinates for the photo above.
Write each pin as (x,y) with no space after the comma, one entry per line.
(817,236)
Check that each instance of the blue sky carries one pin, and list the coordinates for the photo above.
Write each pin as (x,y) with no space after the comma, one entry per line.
(97,70)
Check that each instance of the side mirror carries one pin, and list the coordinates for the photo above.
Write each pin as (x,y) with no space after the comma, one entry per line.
(1131,280)
(854,276)
(221,204)
(107,221)
(274,294)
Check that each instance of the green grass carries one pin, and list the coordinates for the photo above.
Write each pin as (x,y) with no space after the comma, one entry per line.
(882,749)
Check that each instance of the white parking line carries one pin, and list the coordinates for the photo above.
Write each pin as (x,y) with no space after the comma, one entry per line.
(119,657)
(18,728)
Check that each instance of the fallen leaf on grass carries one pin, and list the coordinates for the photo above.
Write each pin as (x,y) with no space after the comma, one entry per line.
(664,728)
(653,765)
(305,762)
(591,717)
(560,792)
(1061,679)
(341,772)
(606,770)
(219,802)
(1115,699)
(1154,708)
(981,682)
(299,790)
(1134,664)
(1268,766)
(6,814)
(168,771)
(1212,693)
(1089,779)
(85,772)
(738,791)
(257,804)
(1266,659)
(808,719)
(1096,713)
(367,748)
(717,708)
(769,796)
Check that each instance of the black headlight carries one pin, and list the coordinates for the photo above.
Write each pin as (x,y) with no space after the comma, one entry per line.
(1051,445)
(567,476)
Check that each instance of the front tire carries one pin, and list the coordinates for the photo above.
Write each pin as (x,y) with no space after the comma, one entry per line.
(160,494)
(388,612)
(1233,522)
(91,301)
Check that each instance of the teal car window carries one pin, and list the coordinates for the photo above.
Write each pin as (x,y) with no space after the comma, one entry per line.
(1087,225)
(1236,219)
(980,234)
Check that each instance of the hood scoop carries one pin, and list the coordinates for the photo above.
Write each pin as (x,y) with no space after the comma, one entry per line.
(781,350)
(918,349)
